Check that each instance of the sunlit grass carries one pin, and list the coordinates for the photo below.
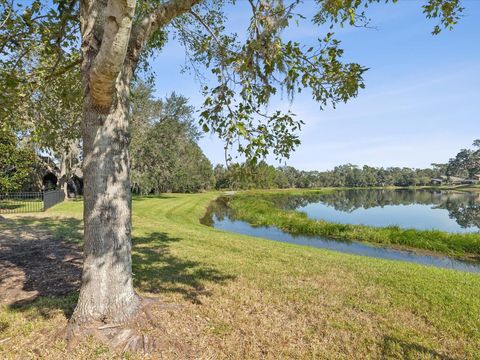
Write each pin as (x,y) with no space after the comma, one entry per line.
(245,298)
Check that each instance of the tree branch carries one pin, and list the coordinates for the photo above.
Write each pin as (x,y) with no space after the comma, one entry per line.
(111,55)
(63,70)
(161,16)
(205,25)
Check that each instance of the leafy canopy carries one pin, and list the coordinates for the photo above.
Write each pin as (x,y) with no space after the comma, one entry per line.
(164,152)
(466,163)
(40,40)
(16,162)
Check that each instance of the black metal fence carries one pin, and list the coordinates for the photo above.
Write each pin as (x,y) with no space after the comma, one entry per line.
(26,202)
(51,198)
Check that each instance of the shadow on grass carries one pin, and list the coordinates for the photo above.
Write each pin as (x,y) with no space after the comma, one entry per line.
(59,228)
(156,270)
(41,265)
(40,259)
(394,348)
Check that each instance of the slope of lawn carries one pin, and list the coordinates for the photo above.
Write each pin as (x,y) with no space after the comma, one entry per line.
(240,297)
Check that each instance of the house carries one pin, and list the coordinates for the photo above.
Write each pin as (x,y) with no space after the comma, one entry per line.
(475,179)
(75,183)
(45,175)
(456,180)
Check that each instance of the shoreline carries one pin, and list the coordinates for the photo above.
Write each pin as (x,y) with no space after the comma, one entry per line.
(258,209)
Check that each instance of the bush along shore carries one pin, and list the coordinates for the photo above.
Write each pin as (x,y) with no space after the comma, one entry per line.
(262,209)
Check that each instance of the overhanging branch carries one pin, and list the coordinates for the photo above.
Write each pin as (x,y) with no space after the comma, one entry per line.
(161,16)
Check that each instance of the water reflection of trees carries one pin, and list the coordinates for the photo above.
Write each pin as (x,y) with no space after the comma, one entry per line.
(219,208)
(466,213)
(463,207)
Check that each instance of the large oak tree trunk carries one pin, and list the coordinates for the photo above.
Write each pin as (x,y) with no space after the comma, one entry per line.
(107,292)
(109,57)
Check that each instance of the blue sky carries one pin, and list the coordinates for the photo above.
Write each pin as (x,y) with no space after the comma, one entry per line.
(420,105)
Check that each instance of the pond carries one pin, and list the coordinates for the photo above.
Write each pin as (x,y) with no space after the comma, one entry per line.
(450,211)
(463,216)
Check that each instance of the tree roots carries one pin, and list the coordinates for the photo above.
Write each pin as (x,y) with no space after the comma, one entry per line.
(127,337)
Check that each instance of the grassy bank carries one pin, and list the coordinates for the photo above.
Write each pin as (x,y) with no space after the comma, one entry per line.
(247,298)
(260,209)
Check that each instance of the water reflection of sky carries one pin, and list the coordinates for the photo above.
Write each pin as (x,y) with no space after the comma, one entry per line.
(425,209)
(417,216)
(241,227)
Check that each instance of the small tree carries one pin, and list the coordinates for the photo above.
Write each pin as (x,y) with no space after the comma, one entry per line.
(16,162)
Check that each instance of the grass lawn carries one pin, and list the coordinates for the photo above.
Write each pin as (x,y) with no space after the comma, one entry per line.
(243,298)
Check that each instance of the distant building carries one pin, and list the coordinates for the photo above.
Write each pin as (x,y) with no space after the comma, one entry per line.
(45,175)
(456,180)
(75,183)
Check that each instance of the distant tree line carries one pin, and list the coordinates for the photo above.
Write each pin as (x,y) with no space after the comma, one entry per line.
(262,175)
(466,164)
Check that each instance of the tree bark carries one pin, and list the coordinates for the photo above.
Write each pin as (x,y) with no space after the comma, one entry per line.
(64,175)
(107,292)
(109,57)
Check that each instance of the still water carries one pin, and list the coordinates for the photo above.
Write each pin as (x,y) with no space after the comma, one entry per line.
(458,211)
(450,211)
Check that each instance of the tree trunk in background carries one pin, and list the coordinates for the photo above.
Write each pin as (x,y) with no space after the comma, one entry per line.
(107,292)
(64,175)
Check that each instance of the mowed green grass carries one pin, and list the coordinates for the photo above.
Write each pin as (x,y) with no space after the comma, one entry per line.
(244,298)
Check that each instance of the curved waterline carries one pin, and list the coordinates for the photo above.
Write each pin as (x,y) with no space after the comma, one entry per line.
(220,218)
